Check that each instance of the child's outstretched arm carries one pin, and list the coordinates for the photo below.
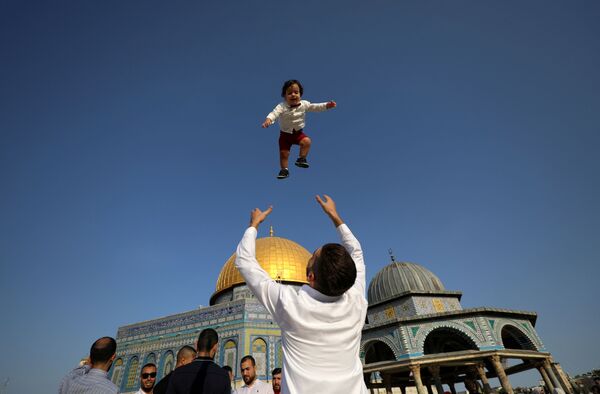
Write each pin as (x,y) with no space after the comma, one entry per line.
(272,117)
(320,107)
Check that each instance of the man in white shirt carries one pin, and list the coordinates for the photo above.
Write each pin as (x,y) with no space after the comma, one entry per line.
(321,323)
(252,384)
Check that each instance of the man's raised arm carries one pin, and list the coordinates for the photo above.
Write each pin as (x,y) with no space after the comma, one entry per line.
(265,289)
(348,240)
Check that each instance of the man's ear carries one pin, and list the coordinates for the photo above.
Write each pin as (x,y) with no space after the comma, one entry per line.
(311,279)
(213,350)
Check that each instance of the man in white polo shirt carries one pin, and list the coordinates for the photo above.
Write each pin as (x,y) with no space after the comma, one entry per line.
(321,323)
(252,384)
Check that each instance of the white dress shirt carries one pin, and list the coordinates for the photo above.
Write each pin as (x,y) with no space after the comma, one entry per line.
(292,118)
(257,387)
(320,334)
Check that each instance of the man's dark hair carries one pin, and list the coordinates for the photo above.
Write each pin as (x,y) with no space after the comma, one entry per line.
(248,357)
(289,83)
(185,351)
(148,365)
(227,368)
(276,371)
(207,339)
(334,269)
(102,350)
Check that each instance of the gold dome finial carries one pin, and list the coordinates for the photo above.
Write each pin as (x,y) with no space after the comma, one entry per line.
(271,231)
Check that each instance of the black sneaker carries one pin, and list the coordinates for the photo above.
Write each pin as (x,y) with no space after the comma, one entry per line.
(301,162)
(284,173)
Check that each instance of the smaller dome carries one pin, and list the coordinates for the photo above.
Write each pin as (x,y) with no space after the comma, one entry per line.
(401,277)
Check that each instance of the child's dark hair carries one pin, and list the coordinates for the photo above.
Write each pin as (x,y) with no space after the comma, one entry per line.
(289,83)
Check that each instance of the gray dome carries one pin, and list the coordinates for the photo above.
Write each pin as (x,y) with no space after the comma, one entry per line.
(400,277)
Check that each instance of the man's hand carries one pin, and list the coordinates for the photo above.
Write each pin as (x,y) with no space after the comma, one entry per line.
(257,216)
(328,206)
(330,105)
(266,123)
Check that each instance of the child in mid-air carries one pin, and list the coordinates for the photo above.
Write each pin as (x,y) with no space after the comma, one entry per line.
(291,114)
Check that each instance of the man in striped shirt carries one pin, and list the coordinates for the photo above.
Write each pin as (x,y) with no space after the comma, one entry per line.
(93,378)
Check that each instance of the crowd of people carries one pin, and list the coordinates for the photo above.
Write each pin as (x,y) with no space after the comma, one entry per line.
(320,324)
(195,372)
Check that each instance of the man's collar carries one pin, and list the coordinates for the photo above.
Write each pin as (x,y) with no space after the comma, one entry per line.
(253,383)
(203,358)
(98,371)
(317,295)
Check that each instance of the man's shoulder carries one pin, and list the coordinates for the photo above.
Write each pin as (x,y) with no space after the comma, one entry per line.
(163,384)
(196,365)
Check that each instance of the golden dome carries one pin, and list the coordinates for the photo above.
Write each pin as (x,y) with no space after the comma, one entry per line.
(284,260)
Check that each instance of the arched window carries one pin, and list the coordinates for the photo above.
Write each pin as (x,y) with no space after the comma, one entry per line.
(446,339)
(514,338)
(168,363)
(132,373)
(117,369)
(279,358)
(230,355)
(259,352)
(377,351)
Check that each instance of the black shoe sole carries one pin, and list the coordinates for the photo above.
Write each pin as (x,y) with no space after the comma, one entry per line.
(301,165)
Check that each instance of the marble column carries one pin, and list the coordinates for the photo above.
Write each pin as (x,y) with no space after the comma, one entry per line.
(416,372)
(563,378)
(452,388)
(435,372)
(501,374)
(552,376)
(547,381)
(428,386)
(387,383)
(480,369)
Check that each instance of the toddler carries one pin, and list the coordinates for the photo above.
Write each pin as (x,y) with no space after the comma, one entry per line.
(291,114)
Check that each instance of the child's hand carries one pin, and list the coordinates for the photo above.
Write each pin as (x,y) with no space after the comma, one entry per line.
(266,123)
(331,104)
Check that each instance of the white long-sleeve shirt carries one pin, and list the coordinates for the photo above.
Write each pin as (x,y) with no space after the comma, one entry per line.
(320,334)
(258,387)
(292,118)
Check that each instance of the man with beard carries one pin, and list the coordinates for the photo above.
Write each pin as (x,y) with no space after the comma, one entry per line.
(252,384)
(276,380)
(201,375)
(147,379)
(185,355)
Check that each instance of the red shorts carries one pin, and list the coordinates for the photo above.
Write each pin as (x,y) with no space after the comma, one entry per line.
(286,140)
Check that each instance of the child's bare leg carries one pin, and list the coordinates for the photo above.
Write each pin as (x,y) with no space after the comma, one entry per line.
(284,156)
(305,147)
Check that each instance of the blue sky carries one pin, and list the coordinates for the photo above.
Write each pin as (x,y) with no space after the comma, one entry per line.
(466,139)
